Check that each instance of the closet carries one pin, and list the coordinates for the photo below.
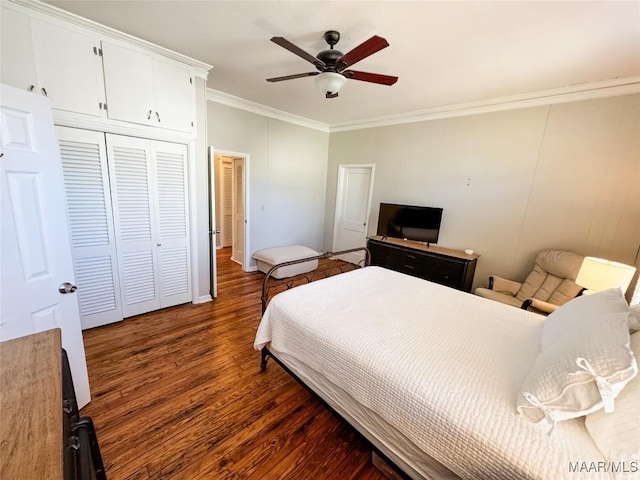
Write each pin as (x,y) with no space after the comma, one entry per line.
(127,205)
(125,112)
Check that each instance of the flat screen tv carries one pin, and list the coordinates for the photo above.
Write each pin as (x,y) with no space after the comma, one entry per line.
(409,222)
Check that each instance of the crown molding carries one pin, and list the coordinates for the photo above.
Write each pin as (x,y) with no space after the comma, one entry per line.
(217,96)
(201,68)
(573,93)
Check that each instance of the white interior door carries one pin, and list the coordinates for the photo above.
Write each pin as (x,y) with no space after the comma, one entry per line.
(353,202)
(238,211)
(93,243)
(35,247)
(169,171)
(226,202)
(213,231)
(130,172)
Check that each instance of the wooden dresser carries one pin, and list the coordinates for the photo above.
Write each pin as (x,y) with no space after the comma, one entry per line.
(42,434)
(446,266)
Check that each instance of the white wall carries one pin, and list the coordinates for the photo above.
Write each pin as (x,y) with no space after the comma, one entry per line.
(511,183)
(288,171)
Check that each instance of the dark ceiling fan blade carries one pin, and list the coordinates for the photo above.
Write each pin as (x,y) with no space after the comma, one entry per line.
(366,48)
(284,43)
(370,77)
(331,95)
(291,77)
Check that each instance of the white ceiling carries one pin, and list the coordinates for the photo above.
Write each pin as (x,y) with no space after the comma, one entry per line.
(445,52)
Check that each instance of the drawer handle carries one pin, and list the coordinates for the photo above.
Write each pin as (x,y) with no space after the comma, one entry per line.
(67,406)
(74,442)
(411,257)
(411,267)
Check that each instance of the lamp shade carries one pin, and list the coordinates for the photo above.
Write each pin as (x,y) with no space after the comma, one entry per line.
(330,82)
(597,274)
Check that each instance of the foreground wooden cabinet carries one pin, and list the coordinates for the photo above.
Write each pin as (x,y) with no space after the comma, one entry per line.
(43,435)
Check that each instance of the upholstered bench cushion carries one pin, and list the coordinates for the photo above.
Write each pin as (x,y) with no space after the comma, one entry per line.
(269,257)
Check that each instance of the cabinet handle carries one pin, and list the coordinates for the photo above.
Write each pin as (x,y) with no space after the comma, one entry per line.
(44,92)
(410,267)
(158,116)
(31,87)
(149,114)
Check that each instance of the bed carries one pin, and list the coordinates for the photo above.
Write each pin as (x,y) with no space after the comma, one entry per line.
(428,374)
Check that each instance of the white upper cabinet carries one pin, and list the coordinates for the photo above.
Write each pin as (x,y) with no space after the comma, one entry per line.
(69,67)
(16,51)
(62,64)
(147,89)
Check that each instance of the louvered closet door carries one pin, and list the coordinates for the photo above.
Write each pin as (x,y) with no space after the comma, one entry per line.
(88,199)
(170,162)
(132,180)
(238,211)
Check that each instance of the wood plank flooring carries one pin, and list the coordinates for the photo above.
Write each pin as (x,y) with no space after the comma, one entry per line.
(178,394)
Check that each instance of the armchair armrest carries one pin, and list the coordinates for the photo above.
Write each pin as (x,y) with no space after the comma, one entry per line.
(540,305)
(499,284)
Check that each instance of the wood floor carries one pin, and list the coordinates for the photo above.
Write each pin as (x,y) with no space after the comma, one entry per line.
(178,394)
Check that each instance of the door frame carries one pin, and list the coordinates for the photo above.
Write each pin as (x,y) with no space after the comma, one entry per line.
(247,194)
(342,168)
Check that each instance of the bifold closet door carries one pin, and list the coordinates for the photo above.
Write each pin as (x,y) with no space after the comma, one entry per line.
(149,195)
(93,245)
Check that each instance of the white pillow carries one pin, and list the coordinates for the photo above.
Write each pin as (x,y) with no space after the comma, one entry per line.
(617,434)
(584,362)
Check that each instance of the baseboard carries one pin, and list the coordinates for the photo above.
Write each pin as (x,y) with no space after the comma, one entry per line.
(203,299)
(253,268)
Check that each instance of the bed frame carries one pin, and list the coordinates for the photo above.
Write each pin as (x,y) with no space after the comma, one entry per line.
(270,286)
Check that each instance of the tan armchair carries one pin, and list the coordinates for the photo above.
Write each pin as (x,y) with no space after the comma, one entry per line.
(550,284)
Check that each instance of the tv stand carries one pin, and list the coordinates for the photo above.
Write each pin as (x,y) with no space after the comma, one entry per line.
(446,266)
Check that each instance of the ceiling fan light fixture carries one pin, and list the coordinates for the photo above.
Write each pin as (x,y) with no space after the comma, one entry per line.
(330,82)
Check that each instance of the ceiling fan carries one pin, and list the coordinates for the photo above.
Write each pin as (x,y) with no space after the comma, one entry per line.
(332,64)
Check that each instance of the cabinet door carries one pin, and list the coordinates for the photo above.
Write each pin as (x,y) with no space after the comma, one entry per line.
(173,95)
(172,213)
(69,68)
(130,172)
(128,77)
(18,67)
(93,245)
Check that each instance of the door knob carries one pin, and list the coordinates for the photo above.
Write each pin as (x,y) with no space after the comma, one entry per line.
(66,287)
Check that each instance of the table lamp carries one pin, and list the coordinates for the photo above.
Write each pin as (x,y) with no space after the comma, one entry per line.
(598,274)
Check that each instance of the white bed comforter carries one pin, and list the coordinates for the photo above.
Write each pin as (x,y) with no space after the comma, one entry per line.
(442,366)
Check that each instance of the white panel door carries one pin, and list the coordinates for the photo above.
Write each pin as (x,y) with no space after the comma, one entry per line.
(353,202)
(69,68)
(93,244)
(131,176)
(169,163)
(128,78)
(35,248)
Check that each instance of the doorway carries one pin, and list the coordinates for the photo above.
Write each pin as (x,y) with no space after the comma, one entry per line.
(353,203)
(229,215)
